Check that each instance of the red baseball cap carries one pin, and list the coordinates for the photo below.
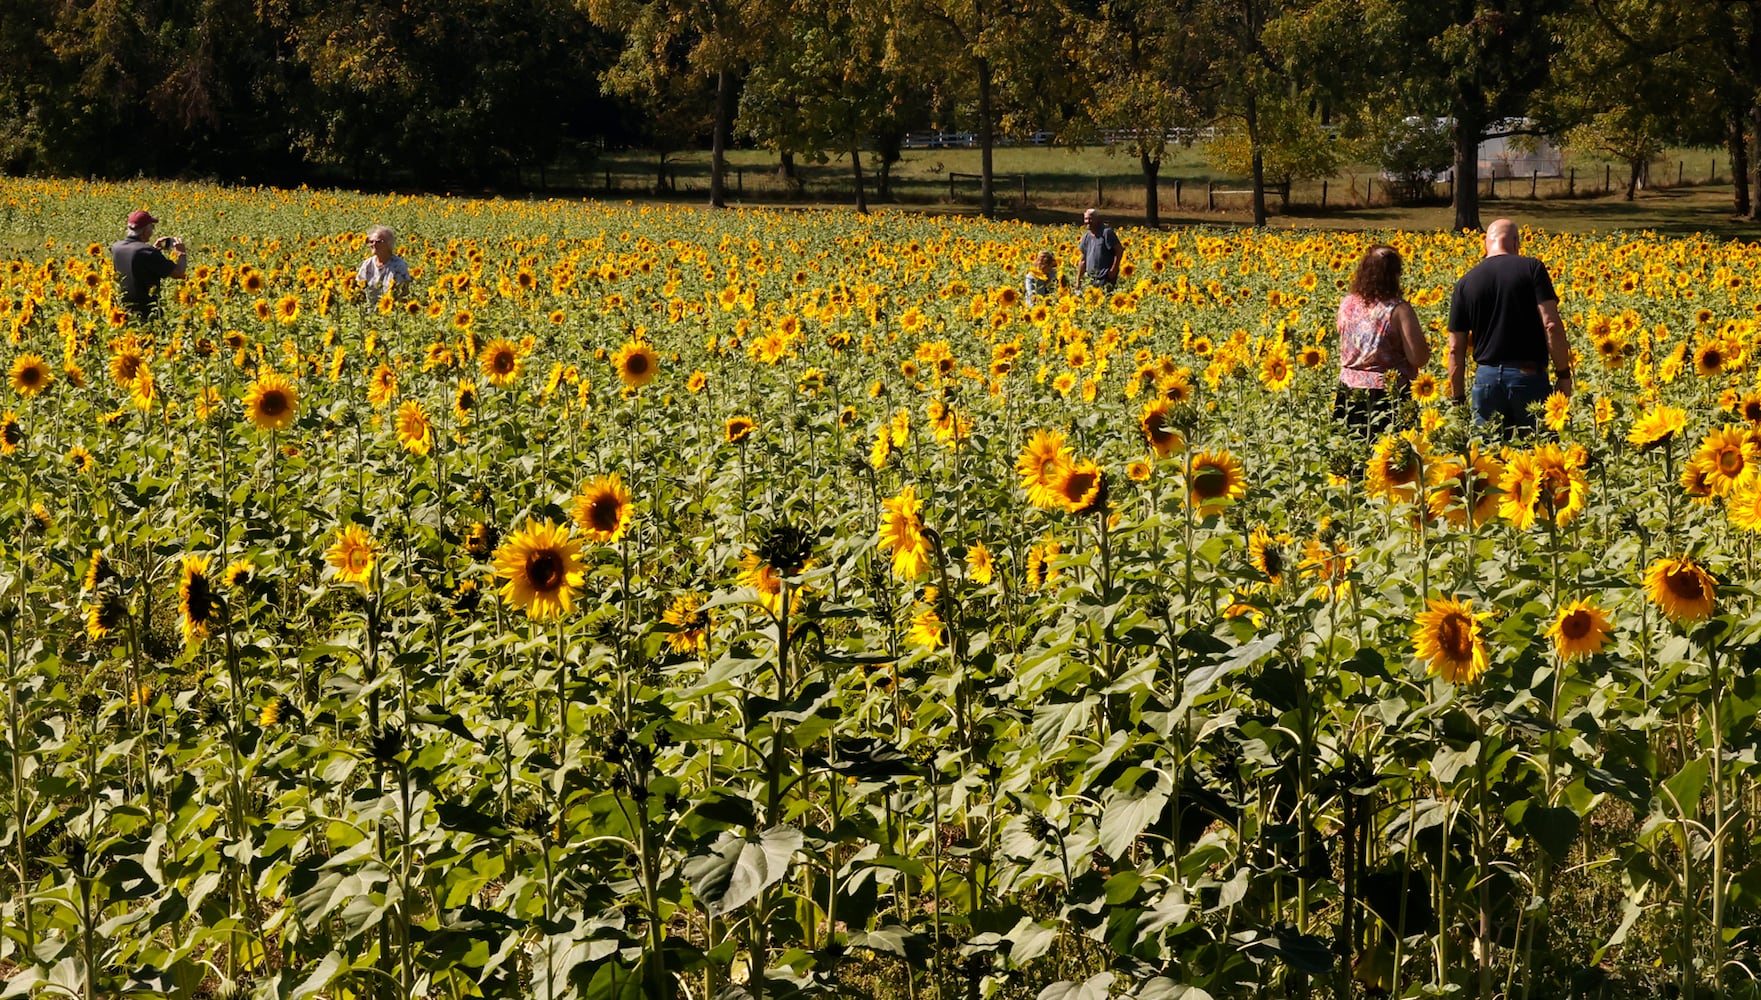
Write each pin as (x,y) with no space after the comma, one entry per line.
(140,217)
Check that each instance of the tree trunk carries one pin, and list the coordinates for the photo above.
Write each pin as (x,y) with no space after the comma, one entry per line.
(1634,166)
(856,170)
(1151,202)
(718,146)
(1754,213)
(1258,158)
(987,201)
(1735,142)
(1467,172)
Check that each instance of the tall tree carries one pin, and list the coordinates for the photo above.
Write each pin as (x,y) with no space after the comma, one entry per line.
(1481,63)
(713,39)
(1143,71)
(826,85)
(1003,56)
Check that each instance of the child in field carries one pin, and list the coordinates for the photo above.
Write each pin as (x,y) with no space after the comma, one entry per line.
(1042,277)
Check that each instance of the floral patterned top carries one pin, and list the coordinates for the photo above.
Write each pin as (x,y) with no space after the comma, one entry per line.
(1369,344)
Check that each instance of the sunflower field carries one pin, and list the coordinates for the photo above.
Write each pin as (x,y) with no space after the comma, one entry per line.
(663,604)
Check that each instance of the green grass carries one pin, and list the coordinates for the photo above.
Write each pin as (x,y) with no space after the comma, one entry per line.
(1061,182)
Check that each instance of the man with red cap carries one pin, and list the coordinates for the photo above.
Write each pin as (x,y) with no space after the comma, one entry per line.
(141,263)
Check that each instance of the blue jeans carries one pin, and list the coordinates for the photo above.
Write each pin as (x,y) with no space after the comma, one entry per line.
(1504,393)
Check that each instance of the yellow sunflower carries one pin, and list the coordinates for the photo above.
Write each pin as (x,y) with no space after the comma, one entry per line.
(1447,637)
(738,429)
(195,599)
(30,376)
(1454,483)
(1139,471)
(1041,468)
(1154,421)
(382,387)
(414,431)
(80,459)
(1214,481)
(353,554)
(272,401)
(603,509)
(690,623)
(979,567)
(1082,487)
(901,532)
(501,362)
(464,404)
(1581,629)
(1269,554)
(1656,427)
(1424,388)
(1557,413)
(636,363)
(1743,505)
(542,566)
(11,434)
(1683,590)
(1396,468)
(926,625)
(1725,456)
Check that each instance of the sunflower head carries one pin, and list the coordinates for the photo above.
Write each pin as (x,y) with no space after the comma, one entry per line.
(480,539)
(541,564)
(901,532)
(30,376)
(785,547)
(739,429)
(690,623)
(272,401)
(196,599)
(501,362)
(1083,487)
(353,554)
(1683,590)
(1213,481)
(1448,638)
(1580,630)
(603,509)
(636,363)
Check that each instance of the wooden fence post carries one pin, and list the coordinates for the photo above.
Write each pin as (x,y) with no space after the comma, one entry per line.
(1323,194)
(1369,190)
(1210,195)
(1100,196)
(608,180)
(1607,178)
(1023,190)
(1680,165)
(740,180)
(1177,183)
(1452,187)
(1571,183)
(1534,178)
(951,176)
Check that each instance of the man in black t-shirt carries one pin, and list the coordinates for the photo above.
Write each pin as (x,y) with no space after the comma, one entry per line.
(141,263)
(1507,306)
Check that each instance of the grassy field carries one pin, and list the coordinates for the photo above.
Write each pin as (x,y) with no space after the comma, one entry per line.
(1062,182)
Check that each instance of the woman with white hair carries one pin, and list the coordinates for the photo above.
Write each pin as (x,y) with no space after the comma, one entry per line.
(384,273)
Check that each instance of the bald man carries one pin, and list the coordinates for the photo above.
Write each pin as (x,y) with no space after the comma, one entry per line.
(1507,308)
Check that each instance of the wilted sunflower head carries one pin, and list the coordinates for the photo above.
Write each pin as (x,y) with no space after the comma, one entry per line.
(785,547)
